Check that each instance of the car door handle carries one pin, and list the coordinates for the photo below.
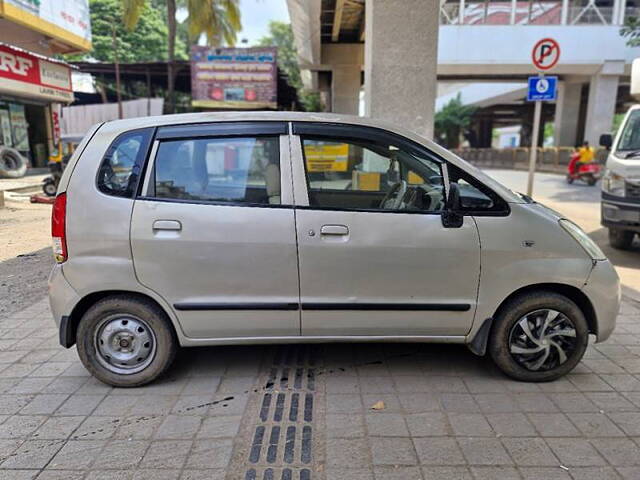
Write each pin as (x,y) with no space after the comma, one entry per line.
(334,230)
(167,225)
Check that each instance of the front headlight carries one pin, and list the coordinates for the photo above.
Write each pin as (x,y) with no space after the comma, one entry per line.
(613,184)
(583,239)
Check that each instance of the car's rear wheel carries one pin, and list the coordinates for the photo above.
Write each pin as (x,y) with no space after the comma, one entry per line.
(538,337)
(620,239)
(126,341)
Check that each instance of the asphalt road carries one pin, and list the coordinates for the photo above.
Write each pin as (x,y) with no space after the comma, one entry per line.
(580,203)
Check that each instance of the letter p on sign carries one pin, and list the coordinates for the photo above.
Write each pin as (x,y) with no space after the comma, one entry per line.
(545,54)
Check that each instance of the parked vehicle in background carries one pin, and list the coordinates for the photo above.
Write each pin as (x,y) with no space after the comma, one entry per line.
(621,180)
(277,227)
(58,161)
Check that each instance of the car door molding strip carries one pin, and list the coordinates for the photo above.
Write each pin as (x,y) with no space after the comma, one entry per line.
(404,307)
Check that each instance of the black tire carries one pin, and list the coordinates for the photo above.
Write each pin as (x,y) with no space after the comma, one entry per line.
(512,312)
(49,188)
(12,163)
(138,308)
(591,180)
(620,239)
(569,179)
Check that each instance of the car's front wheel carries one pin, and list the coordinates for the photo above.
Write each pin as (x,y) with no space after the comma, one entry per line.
(620,239)
(538,337)
(126,341)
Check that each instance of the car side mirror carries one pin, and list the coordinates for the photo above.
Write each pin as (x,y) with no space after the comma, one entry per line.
(606,140)
(451,215)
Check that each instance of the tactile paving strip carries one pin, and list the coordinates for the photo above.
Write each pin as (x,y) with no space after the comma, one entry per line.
(282,441)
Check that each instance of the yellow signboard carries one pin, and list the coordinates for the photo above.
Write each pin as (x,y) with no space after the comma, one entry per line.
(328,157)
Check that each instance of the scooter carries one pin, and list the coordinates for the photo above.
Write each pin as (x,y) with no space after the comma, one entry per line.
(50,184)
(587,172)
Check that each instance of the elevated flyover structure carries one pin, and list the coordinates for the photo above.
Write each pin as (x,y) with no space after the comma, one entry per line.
(389,50)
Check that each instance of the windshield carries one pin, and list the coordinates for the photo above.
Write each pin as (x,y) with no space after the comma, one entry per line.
(630,138)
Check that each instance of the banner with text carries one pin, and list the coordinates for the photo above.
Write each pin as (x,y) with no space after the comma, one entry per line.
(234,78)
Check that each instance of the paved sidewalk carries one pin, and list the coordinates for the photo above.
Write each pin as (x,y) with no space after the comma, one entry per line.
(305,412)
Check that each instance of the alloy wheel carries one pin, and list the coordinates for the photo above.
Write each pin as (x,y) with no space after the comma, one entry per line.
(542,340)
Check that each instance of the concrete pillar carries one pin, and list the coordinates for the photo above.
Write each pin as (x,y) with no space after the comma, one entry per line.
(401,49)
(567,114)
(603,91)
(345,89)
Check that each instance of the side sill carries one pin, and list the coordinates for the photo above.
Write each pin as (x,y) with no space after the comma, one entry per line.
(195,342)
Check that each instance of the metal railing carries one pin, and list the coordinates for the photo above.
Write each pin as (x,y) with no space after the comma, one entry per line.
(550,159)
(533,12)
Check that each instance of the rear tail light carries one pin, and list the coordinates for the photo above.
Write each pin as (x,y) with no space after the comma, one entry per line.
(58,224)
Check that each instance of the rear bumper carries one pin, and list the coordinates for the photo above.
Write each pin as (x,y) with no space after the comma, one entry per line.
(62,299)
(603,289)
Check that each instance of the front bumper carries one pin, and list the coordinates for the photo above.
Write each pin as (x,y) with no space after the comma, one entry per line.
(603,289)
(616,213)
(62,299)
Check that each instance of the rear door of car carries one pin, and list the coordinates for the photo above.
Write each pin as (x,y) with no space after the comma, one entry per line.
(213,231)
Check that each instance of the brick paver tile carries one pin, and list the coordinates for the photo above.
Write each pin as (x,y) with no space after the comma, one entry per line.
(166,454)
(553,425)
(392,451)
(530,452)
(77,454)
(429,424)
(386,425)
(220,427)
(511,425)
(595,425)
(575,452)
(178,427)
(339,425)
(121,454)
(351,453)
(470,424)
(438,451)
(620,452)
(493,473)
(484,451)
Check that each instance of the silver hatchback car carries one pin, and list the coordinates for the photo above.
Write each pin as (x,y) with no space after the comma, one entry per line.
(242,228)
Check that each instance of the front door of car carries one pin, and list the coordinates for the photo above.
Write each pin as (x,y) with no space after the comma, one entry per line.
(375,258)
(213,232)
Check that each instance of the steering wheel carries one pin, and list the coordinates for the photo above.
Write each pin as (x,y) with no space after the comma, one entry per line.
(401,188)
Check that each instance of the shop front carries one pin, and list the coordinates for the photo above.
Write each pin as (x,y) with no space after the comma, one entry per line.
(32,89)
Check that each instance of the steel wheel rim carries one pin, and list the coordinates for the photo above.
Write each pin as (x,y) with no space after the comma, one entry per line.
(124,344)
(542,340)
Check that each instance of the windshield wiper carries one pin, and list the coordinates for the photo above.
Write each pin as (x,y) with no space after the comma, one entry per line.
(632,154)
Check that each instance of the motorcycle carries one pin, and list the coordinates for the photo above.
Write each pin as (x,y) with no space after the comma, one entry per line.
(587,172)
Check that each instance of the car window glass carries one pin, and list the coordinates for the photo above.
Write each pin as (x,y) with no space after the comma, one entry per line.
(472,196)
(237,170)
(118,172)
(365,175)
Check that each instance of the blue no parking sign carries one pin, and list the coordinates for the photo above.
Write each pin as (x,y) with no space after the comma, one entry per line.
(542,88)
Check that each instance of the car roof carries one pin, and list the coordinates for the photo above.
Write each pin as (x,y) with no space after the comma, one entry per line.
(116,127)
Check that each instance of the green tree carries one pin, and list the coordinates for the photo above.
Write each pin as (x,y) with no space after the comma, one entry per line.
(281,36)
(217,20)
(451,120)
(147,43)
(631,31)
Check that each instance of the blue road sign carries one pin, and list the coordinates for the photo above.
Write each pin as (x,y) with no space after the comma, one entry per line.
(542,88)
